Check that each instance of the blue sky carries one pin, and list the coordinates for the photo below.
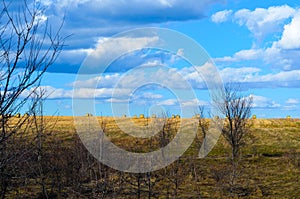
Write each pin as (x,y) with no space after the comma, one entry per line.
(253,43)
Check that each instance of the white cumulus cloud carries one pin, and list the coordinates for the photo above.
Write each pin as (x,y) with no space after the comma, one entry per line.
(291,35)
(263,21)
(264,102)
(221,16)
(292,101)
(109,49)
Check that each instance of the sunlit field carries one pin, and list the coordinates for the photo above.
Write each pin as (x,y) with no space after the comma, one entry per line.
(269,165)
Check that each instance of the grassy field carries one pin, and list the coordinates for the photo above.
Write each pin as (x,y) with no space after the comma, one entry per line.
(269,168)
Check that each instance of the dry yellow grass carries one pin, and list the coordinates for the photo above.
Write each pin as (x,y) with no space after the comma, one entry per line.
(269,169)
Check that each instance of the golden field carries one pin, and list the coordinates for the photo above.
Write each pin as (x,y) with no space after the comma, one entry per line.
(269,168)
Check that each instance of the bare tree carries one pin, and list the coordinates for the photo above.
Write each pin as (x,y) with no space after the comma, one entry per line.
(237,110)
(41,132)
(203,125)
(28,47)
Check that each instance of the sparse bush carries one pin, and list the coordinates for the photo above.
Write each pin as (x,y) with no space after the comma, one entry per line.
(237,110)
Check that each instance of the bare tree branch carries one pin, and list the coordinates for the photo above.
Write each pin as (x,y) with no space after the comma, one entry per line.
(28,46)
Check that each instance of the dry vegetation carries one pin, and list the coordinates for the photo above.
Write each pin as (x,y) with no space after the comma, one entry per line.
(269,168)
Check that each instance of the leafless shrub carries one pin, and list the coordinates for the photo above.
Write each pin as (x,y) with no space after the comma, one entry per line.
(28,47)
(237,111)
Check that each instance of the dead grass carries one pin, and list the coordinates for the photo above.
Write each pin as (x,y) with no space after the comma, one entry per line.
(268,166)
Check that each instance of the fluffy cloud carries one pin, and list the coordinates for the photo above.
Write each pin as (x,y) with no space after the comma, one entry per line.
(173,78)
(283,50)
(291,35)
(99,12)
(249,54)
(109,50)
(191,78)
(263,102)
(272,57)
(104,81)
(221,16)
(86,20)
(192,103)
(246,74)
(116,54)
(250,77)
(89,21)
(168,102)
(49,92)
(80,93)
(116,95)
(125,93)
(253,78)
(292,101)
(263,21)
